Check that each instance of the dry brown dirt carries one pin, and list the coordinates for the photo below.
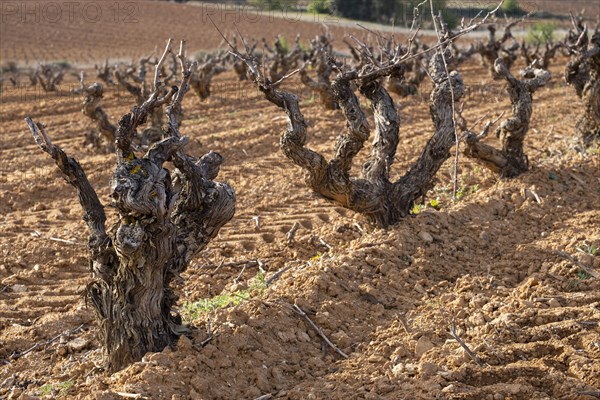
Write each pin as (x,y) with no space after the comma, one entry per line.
(88,31)
(486,265)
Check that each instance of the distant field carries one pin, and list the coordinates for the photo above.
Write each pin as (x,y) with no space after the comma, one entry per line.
(38,31)
(89,31)
(559,7)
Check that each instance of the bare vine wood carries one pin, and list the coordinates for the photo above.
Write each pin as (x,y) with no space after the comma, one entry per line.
(543,52)
(165,219)
(495,47)
(201,79)
(583,73)
(48,76)
(92,108)
(511,160)
(105,73)
(133,79)
(372,193)
(382,201)
(280,60)
(320,60)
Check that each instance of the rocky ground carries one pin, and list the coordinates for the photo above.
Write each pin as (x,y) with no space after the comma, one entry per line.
(496,272)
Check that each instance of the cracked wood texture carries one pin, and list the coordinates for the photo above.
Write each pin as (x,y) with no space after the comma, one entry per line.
(511,160)
(165,219)
(372,194)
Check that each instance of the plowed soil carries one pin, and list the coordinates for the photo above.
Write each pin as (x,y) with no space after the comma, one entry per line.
(487,270)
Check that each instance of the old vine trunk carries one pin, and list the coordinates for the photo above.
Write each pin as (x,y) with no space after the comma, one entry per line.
(165,219)
(583,72)
(371,194)
(511,160)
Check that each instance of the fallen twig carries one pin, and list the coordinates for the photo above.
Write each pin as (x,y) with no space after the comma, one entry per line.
(576,178)
(131,395)
(590,393)
(209,333)
(219,266)
(277,274)
(301,312)
(587,269)
(64,241)
(245,263)
(17,354)
(588,323)
(324,243)
(360,229)
(237,278)
(536,196)
(292,232)
(404,324)
(469,352)
(257,222)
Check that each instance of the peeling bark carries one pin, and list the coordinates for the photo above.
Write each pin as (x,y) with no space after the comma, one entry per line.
(511,160)
(165,219)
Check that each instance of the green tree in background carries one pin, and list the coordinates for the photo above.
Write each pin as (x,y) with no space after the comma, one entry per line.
(398,12)
(273,4)
(542,32)
(511,7)
(319,6)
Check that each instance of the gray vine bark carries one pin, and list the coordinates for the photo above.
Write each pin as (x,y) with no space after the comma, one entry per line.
(320,60)
(92,97)
(544,53)
(133,80)
(583,73)
(238,66)
(511,160)
(282,60)
(49,76)
(407,84)
(495,48)
(104,73)
(165,219)
(201,79)
(372,194)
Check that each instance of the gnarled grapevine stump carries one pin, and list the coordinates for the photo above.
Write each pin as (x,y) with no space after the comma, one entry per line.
(372,194)
(511,160)
(583,73)
(104,137)
(165,219)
